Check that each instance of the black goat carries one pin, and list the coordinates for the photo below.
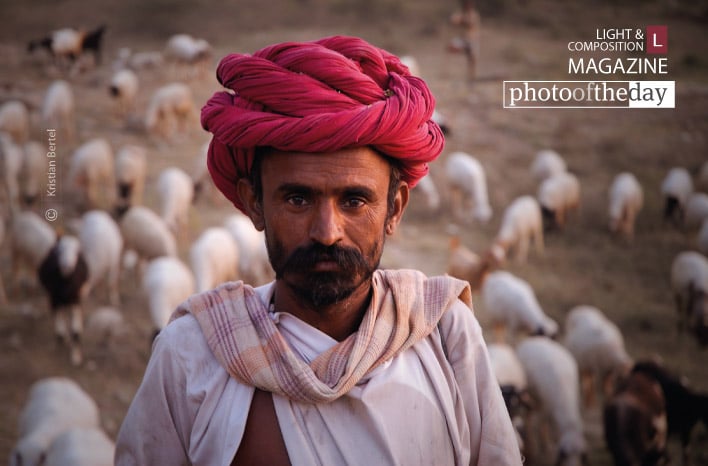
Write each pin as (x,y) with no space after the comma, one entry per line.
(79,42)
(64,275)
(93,42)
(684,407)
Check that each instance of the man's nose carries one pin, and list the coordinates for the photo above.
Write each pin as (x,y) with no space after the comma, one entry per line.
(326,226)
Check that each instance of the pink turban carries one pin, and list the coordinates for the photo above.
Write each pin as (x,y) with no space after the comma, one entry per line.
(320,96)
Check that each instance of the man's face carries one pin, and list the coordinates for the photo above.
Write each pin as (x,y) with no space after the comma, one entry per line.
(325,220)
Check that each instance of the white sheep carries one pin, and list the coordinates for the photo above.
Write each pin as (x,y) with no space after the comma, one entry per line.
(15,120)
(441,120)
(426,186)
(130,174)
(598,347)
(175,191)
(522,223)
(67,46)
(146,59)
(64,276)
(552,375)
(33,173)
(468,187)
(123,88)
(187,54)
(58,109)
(510,302)
(506,365)
(67,41)
(145,233)
(167,282)
(546,164)
(676,188)
(558,196)
(105,323)
(626,199)
(102,246)
(689,283)
(11,160)
(412,63)
(64,45)
(214,258)
(137,60)
(31,239)
(81,446)
(203,184)
(185,48)
(253,262)
(91,171)
(696,209)
(54,405)
(512,381)
(171,109)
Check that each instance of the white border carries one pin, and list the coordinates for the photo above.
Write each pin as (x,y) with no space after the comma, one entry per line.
(672,86)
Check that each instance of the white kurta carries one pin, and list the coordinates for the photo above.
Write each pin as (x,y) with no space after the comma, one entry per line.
(434,404)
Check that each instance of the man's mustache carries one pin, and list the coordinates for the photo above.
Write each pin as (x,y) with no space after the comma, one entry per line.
(306,257)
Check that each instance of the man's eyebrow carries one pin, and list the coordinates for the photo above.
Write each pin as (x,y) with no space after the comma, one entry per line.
(295,187)
(360,191)
(357,190)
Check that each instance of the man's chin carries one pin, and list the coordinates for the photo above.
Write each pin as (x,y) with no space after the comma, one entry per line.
(322,289)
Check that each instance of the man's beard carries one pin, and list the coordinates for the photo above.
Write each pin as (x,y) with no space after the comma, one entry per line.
(323,288)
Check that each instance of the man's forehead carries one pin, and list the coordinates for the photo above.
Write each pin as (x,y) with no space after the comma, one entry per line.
(357,163)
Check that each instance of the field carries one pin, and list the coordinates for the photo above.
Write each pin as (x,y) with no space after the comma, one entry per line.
(521,40)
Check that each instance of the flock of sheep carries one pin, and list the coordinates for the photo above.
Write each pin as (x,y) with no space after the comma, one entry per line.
(127,227)
(123,218)
(551,371)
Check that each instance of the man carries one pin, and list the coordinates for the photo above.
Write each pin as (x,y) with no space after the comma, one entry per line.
(336,362)
(469,23)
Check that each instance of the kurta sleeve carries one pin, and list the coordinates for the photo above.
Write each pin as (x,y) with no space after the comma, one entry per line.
(493,439)
(156,427)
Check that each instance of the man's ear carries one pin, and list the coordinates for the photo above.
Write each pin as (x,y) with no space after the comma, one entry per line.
(400,202)
(252,207)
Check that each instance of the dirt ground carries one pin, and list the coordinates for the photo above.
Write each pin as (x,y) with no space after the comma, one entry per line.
(520,40)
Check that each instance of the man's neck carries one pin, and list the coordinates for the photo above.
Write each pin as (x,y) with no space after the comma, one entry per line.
(338,320)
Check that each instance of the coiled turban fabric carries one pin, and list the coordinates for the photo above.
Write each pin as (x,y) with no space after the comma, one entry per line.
(321,96)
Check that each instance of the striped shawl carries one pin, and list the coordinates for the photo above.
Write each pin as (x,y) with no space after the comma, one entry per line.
(405,308)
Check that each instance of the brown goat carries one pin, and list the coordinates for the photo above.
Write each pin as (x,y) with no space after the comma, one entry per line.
(635,422)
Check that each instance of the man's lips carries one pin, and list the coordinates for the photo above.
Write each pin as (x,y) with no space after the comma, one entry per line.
(325,266)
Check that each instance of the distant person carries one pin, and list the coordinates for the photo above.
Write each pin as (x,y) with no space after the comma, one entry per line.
(469,24)
(336,362)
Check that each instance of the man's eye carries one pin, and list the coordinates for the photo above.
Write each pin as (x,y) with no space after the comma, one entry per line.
(354,202)
(296,200)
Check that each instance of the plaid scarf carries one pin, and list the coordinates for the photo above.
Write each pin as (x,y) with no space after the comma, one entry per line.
(405,308)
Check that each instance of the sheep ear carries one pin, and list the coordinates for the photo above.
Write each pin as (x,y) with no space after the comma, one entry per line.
(251,205)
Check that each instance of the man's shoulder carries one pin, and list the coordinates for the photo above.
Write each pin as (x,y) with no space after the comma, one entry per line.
(459,319)
(183,343)
(418,276)
(184,322)
(183,326)
(223,296)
